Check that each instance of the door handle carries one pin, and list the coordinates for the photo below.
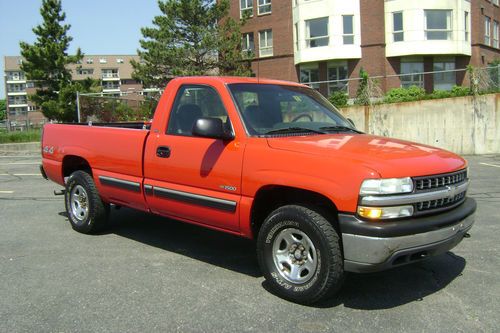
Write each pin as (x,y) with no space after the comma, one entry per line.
(163,152)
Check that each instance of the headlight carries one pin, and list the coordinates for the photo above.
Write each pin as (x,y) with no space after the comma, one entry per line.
(376,213)
(387,186)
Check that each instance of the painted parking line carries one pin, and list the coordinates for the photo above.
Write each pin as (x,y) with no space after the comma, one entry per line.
(491,165)
(6,192)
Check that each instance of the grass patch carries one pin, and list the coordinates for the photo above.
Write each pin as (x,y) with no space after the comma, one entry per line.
(18,136)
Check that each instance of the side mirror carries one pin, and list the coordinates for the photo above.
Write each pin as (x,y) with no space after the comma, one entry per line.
(211,128)
(352,122)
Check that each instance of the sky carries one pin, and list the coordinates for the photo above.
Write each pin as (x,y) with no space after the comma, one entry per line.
(97,26)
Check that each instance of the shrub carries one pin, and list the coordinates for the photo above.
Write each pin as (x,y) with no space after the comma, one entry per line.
(338,98)
(398,95)
(457,91)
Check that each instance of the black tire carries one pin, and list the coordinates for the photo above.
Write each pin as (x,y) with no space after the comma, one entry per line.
(87,213)
(293,275)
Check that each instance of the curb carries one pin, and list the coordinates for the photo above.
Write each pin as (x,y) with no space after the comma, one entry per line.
(25,148)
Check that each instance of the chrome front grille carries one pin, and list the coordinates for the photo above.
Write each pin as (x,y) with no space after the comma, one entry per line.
(438,181)
(439,203)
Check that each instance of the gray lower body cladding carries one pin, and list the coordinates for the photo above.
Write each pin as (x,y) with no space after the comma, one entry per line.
(376,246)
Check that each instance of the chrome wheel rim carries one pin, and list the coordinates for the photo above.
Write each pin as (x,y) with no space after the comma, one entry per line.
(79,203)
(294,256)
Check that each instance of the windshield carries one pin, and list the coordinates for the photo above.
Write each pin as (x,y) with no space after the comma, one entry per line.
(269,109)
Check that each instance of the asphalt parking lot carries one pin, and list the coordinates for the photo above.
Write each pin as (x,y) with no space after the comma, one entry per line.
(152,274)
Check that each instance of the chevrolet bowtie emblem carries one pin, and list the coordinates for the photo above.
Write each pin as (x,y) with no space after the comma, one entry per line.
(452,191)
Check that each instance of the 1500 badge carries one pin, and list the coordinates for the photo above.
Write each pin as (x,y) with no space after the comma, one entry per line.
(228,188)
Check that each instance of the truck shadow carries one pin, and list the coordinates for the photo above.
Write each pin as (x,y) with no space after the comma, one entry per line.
(213,247)
(374,291)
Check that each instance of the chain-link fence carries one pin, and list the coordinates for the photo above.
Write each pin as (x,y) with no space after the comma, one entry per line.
(117,107)
(368,89)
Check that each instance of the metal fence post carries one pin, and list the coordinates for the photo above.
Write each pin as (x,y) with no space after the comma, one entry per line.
(78,106)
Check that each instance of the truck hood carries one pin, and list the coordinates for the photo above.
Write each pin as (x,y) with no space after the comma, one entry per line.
(389,157)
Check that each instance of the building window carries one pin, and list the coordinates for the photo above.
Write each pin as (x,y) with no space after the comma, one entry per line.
(85,71)
(466,26)
(348,26)
(310,73)
(90,61)
(495,34)
(438,24)
(266,43)
(397,27)
(296,37)
(246,8)
(264,7)
(337,77)
(247,43)
(447,79)
(103,60)
(414,70)
(119,61)
(495,2)
(317,32)
(487,29)
(30,84)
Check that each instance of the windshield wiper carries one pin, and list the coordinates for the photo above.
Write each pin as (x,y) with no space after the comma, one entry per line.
(339,128)
(293,130)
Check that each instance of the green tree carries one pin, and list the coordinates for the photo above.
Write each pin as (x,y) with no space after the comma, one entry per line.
(3,109)
(191,37)
(45,63)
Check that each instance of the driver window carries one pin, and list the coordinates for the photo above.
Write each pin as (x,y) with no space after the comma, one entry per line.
(191,103)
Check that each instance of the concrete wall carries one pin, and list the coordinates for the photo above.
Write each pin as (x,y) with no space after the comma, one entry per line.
(464,125)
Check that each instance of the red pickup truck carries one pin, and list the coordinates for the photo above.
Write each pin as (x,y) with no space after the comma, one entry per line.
(273,161)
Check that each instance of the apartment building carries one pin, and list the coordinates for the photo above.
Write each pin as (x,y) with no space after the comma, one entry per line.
(326,42)
(114,72)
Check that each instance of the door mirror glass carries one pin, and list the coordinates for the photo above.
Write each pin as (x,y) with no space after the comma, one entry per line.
(211,128)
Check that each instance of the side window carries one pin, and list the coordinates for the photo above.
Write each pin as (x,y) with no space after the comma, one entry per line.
(191,103)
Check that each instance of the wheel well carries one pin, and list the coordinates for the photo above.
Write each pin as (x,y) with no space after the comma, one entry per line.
(270,198)
(73,163)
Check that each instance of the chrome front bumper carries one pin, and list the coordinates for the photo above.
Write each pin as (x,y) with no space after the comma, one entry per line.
(383,250)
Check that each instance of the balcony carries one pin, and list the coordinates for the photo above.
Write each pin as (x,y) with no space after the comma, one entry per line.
(110,76)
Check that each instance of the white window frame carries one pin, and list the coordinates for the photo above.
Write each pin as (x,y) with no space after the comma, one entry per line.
(103,61)
(90,61)
(246,5)
(245,41)
(266,50)
(308,32)
(308,68)
(345,35)
(341,84)
(487,30)
(419,81)
(262,5)
(466,25)
(495,34)
(119,60)
(495,2)
(449,28)
(398,32)
(448,64)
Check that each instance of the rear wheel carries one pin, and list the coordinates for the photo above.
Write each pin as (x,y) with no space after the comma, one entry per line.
(299,254)
(87,213)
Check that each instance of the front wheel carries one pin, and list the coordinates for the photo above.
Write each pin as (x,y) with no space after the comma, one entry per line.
(299,253)
(87,213)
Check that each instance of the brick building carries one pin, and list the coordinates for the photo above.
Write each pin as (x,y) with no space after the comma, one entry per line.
(114,72)
(327,42)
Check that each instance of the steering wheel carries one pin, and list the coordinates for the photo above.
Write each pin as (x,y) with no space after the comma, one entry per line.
(303,115)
